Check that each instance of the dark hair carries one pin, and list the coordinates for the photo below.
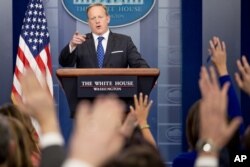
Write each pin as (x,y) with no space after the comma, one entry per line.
(12,111)
(137,152)
(137,156)
(21,156)
(5,133)
(246,139)
(193,125)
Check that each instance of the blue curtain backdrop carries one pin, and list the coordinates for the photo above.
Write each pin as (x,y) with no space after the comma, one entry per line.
(191,57)
(245,50)
(19,8)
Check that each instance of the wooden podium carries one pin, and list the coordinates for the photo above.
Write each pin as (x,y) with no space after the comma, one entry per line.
(87,83)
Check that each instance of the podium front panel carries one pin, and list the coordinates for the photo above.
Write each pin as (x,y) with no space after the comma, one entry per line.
(80,84)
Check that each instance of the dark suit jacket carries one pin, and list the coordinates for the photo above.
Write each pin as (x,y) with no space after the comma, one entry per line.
(52,156)
(120,53)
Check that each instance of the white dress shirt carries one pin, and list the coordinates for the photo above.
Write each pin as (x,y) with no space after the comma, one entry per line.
(206,161)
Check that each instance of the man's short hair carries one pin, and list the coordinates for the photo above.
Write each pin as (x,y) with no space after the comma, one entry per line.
(97,4)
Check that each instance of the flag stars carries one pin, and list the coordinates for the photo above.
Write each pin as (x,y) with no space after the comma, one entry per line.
(25,33)
(40,41)
(35,30)
(31,33)
(31,5)
(34,47)
(28,19)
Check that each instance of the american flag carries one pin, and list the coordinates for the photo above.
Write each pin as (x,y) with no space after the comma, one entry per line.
(34,48)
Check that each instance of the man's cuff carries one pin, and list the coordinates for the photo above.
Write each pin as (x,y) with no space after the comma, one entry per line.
(50,139)
(76,163)
(206,161)
(71,49)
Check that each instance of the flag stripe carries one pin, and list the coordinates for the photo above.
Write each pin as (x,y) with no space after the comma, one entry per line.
(17,71)
(40,64)
(16,86)
(49,63)
(23,60)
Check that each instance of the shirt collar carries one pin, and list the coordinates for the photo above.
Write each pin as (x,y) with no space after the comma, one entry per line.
(105,35)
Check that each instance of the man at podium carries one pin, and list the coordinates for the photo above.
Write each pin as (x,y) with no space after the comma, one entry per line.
(101,48)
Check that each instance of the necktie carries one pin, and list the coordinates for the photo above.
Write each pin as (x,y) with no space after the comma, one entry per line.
(100,52)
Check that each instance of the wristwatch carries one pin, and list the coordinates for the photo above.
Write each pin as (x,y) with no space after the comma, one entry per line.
(206,145)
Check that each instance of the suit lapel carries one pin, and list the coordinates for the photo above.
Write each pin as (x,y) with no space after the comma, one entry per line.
(109,48)
(91,48)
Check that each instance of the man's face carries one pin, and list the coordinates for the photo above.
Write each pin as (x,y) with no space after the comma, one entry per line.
(98,20)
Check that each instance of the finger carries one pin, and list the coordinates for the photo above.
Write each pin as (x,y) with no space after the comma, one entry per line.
(136,101)
(214,41)
(132,110)
(238,80)
(141,99)
(145,101)
(223,46)
(211,45)
(205,78)
(218,43)
(241,68)
(201,86)
(225,88)
(81,38)
(214,80)
(77,41)
(149,105)
(42,80)
(202,81)
(245,64)
(129,124)
(76,33)
(232,127)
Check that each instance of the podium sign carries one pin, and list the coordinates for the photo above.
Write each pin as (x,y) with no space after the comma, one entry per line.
(92,86)
(87,83)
